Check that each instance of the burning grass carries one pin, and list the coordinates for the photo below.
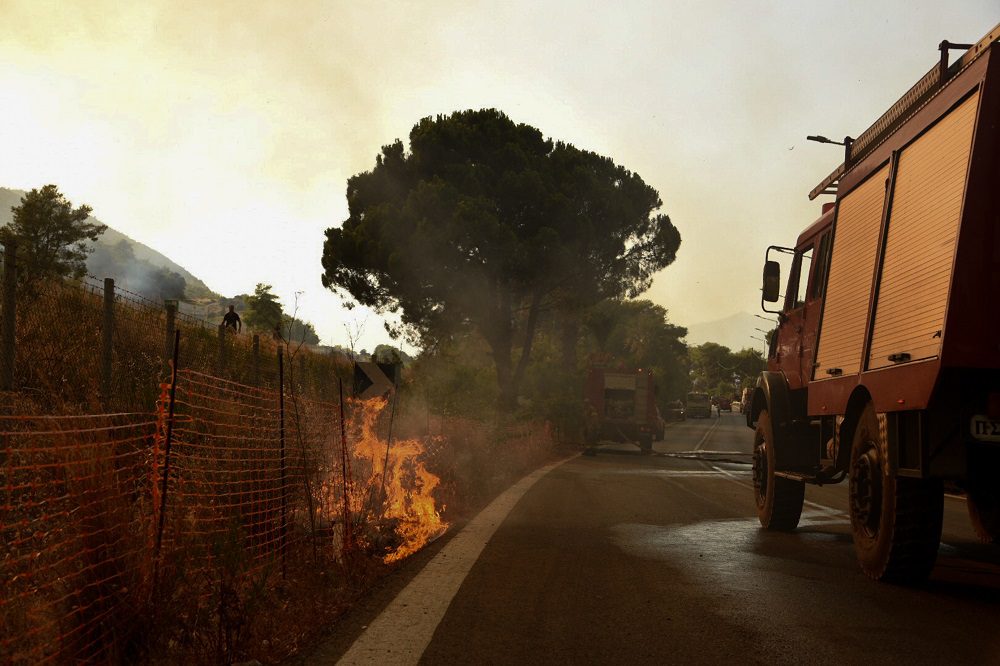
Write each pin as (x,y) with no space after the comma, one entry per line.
(395,498)
(263,544)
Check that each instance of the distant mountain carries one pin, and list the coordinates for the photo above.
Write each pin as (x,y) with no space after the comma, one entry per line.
(735,331)
(134,266)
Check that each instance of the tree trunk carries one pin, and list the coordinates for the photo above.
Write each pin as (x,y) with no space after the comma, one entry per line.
(507,400)
(569,336)
(529,338)
(498,334)
(500,337)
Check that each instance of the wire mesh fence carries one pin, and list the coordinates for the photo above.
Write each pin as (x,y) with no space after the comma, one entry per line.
(156,496)
(75,508)
(210,499)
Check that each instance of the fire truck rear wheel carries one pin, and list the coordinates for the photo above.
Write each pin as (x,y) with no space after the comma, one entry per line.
(779,500)
(984,512)
(983,496)
(896,521)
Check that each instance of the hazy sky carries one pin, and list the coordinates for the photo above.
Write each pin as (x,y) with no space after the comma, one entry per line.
(223,133)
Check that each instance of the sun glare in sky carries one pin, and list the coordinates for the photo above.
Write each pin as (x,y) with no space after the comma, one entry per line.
(222,134)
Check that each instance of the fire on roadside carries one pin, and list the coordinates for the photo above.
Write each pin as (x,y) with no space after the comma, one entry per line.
(399,494)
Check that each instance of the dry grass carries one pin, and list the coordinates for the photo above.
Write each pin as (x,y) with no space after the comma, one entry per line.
(88,504)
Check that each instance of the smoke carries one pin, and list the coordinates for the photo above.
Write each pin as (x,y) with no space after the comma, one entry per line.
(118,261)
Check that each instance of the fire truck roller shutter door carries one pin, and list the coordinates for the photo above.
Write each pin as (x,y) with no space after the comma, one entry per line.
(920,247)
(845,309)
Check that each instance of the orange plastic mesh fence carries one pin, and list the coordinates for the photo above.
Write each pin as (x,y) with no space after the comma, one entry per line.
(122,528)
(234,482)
(75,511)
(81,552)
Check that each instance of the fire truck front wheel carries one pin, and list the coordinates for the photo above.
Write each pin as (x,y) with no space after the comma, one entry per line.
(896,521)
(779,500)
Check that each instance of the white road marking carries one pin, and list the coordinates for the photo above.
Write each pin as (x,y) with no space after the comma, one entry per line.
(705,437)
(401,633)
(829,510)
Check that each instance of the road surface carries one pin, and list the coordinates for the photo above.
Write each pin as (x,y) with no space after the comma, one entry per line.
(621,558)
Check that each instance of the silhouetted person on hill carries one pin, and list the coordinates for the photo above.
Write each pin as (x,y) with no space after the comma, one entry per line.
(232,320)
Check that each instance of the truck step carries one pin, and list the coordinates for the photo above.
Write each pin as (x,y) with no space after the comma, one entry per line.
(819,477)
(797,476)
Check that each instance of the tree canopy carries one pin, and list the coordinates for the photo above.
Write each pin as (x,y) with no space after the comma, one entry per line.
(52,236)
(265,311)
(639,334)
(390,354)
(715,367)
(483,225)
(297,331)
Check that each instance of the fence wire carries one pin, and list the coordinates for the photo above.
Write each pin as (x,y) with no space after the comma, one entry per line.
(146,509)
(76,510)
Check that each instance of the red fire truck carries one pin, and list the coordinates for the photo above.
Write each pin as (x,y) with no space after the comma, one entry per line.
(621,407)
(885,368)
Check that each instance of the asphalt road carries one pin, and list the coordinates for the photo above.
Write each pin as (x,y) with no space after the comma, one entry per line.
(621,558)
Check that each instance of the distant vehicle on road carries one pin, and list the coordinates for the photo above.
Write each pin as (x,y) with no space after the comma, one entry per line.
(621,407)
(699,406)
(725,405)
(674,411)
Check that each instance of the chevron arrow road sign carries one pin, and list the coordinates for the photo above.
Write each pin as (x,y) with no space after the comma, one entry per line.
(371,379)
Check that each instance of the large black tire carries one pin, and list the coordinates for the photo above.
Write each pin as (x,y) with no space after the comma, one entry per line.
(896,521)
(984,512)
(983,496)
(779,500)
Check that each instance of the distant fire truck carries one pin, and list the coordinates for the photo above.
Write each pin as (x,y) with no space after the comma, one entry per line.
(885,367)
(621,407)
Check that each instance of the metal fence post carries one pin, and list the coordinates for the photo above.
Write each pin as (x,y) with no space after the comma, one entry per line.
(281,440)
(168,342)
(107,339)
(8,325)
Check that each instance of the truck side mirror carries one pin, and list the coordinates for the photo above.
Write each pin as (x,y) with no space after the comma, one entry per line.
(772,281)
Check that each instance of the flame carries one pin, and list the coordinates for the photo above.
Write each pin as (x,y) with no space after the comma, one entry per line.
(400,493)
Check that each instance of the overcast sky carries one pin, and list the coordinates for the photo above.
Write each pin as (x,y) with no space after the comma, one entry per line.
(223,133)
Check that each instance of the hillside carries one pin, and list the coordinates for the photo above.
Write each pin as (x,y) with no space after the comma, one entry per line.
(133,264)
